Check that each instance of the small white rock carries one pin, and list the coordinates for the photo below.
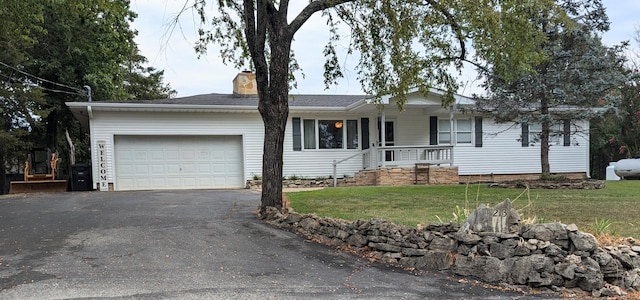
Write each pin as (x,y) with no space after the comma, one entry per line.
(543,244)
(572,258)
(572,227)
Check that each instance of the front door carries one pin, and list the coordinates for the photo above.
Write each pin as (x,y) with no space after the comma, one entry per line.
(389,138)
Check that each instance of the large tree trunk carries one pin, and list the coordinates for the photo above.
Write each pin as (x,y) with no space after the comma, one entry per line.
(544,138)
(273,90)
(274,126)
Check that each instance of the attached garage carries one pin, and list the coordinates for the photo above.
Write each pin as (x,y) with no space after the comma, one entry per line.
(178,162)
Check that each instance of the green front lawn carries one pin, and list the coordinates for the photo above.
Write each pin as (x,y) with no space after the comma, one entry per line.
(618,203)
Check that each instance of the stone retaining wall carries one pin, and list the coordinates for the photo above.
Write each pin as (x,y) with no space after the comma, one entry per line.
(552,255)
(490,178)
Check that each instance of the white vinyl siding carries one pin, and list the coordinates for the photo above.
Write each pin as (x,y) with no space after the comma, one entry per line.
(502,153)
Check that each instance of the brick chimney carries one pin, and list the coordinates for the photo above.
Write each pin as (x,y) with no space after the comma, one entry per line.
(244,85)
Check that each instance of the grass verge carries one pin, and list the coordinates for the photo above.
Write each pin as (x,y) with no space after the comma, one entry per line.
(618,203)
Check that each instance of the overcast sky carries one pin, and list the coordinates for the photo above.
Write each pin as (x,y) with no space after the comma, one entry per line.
(191,76)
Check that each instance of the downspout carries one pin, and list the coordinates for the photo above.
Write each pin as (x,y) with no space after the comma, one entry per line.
(451,132)
(91,145)
(383,137)
(588,156)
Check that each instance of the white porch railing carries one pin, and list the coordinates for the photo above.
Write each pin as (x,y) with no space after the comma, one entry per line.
(400,156)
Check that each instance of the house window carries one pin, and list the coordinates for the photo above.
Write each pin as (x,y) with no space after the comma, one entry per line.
(309,134)
(463,131)
(444,131)
(330,134)
(556,133)
(352,134)
(462,127)
(535,129)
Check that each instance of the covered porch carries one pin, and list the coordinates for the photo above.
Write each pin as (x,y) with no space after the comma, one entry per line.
(403,165)
(413,141)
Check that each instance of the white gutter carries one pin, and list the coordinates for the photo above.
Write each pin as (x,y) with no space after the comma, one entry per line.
(203,108)
(146,106)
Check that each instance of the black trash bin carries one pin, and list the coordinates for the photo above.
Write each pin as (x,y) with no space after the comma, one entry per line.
(81,177)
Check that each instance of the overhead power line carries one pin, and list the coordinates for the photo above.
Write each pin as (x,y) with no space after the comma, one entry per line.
(42,79)
(34,85)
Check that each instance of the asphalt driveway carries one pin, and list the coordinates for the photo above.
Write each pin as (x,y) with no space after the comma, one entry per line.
(184,245)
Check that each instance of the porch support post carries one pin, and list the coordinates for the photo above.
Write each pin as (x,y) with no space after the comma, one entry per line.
(335,173)
(451,133)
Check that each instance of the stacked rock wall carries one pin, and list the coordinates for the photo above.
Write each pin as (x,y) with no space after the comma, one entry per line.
(550,255)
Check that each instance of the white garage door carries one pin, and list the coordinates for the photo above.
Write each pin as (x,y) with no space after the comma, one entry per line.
(178,162)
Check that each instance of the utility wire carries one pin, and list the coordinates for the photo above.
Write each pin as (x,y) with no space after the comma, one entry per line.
(41,79)
(34,85)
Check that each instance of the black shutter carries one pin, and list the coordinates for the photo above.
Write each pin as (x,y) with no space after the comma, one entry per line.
(525,135)
(433,130)
(297,140)
(478,131)
(364,124)
(567,132)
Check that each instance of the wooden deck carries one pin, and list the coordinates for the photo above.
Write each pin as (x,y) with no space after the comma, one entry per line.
(38,186)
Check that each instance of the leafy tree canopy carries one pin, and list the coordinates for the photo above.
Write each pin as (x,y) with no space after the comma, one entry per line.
(403,45)
(49,50)
(578,74)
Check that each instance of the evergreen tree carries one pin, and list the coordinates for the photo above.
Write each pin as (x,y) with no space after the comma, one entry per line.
(579,71)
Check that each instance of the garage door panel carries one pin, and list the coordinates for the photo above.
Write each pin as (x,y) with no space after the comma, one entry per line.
(188,168)
(141,170)
(172,155)
(203,155)
(156,168)
(204,181)
(140,155)
(187,155)
(126,169)
(156,181)
(203,169)
(178,162)
(156,155)
(189,182)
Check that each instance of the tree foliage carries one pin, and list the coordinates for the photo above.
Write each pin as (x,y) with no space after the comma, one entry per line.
(579,74)
(19,21)
(403,45)
(49,50)
(616,134)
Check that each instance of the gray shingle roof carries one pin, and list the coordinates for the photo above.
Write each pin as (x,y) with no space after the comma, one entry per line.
(229,99)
